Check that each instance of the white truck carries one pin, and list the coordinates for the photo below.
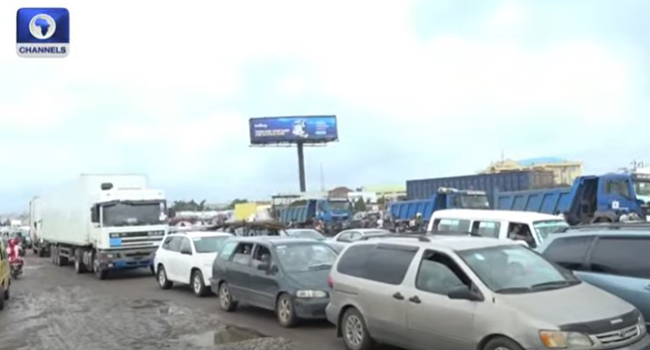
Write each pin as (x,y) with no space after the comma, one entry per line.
(102,222)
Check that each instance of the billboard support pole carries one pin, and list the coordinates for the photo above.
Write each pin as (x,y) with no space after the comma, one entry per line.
(301,166)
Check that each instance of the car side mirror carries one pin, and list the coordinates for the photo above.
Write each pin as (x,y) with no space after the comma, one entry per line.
(264,266)
(186,252)
(464,293)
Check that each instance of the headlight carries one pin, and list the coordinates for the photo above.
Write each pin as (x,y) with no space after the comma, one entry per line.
(642,325)
(563,340)
(311,294)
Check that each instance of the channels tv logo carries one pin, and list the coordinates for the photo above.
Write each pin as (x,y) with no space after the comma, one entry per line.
(43,32)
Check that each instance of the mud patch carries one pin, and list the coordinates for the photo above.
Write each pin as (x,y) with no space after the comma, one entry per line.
(225,335)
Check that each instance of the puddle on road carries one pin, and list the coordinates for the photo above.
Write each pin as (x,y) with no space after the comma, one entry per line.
(228,334)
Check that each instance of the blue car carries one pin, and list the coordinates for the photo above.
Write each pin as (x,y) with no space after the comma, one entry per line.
(613,257)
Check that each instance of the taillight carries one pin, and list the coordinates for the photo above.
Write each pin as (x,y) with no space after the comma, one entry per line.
(330,282)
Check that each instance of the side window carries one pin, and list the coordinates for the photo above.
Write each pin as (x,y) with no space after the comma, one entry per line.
(487,228)
(243,253)
(624,256)
(379,263)
(568,252)
(355,236)
(451,225)
(521,232)
(175,244)
(439,274)
(344,237)
(186,245)
(166,243)
(262,254)
(227,250)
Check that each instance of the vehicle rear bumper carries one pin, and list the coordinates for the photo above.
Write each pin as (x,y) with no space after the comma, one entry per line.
(332,312)
(311,308)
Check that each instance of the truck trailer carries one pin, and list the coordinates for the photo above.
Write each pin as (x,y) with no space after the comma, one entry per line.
(591,199)
(102,222)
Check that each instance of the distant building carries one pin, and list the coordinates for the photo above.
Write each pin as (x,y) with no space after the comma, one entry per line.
(339,192)
(565,172)
(388,192)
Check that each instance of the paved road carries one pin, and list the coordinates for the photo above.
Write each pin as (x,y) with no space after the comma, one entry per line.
(55,309)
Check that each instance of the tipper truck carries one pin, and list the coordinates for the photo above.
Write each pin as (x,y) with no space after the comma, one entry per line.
(334,213)
(591,199)
(103,223)
(445,198)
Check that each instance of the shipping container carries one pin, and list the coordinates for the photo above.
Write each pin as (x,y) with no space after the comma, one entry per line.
(490,183)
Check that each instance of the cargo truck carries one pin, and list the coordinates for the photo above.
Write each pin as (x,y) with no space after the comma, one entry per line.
(507,181)
(445,198)
(591,199)
(335,214)
(102,222)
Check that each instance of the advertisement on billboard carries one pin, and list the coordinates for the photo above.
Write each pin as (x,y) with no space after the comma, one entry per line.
(311,129)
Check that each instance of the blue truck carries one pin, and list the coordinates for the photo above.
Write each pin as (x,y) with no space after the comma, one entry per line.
(444,198)
(591,199)
(333,213)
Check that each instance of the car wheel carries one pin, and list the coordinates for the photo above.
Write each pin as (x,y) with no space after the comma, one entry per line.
(285,311)
(97,269)
(6,293)
(163,282)
(78,264)
(198,285)
(225,298)
(355,333)
(501,343)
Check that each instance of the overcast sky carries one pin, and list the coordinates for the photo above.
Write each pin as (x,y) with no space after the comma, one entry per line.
(420,88)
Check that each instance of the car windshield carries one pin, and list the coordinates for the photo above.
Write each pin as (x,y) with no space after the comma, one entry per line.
(516,269)
(547,227)
(133,213)
(339,205)
(305,234)
(209,244)
(474,201)
(642,188)
(305,257)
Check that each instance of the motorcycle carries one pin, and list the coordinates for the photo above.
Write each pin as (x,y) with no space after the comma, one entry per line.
(16,268)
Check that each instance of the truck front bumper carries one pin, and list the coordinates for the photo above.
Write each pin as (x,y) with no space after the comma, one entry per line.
(122,260)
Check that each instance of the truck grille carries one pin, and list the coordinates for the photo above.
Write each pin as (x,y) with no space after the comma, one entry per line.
(618,336)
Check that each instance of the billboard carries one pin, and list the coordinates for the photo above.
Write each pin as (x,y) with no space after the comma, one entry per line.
(308,129)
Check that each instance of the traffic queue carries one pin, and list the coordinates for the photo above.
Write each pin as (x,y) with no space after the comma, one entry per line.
(477,279)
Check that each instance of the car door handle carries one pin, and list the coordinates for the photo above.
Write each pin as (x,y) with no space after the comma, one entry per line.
(398,296)
(415,299)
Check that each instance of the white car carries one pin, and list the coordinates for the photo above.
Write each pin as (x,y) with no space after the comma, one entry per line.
(187,258)
(356,234)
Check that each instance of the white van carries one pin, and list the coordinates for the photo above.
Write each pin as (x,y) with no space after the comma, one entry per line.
(524,226)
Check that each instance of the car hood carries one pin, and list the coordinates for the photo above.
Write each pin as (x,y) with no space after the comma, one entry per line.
(575,304)
(311,280)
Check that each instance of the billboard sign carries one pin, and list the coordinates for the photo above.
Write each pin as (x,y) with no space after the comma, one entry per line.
(310,129)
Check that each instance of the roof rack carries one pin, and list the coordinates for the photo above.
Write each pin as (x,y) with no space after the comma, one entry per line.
(420,238)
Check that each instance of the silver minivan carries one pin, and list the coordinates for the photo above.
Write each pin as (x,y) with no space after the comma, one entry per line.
(465,293)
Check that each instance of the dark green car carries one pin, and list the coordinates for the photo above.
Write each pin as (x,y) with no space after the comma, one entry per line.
(287,275)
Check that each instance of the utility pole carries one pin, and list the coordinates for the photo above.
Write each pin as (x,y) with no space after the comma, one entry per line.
(301,167)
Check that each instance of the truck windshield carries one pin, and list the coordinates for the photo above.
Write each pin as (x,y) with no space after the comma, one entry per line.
(642,188)
(133,213)
(339,205)
(474,201)
(547,227)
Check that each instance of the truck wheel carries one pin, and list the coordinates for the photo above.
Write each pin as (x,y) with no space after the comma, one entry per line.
(163,281)
(198,285)
(99,273)
(54,256)
(62,260)
(78,262)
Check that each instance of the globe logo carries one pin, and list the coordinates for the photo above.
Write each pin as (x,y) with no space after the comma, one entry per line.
(42,26)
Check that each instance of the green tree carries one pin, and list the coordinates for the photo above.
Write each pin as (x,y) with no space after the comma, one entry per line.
(235,202)
(359,205)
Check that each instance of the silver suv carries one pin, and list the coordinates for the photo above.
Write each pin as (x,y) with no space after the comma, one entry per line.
(463,293)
